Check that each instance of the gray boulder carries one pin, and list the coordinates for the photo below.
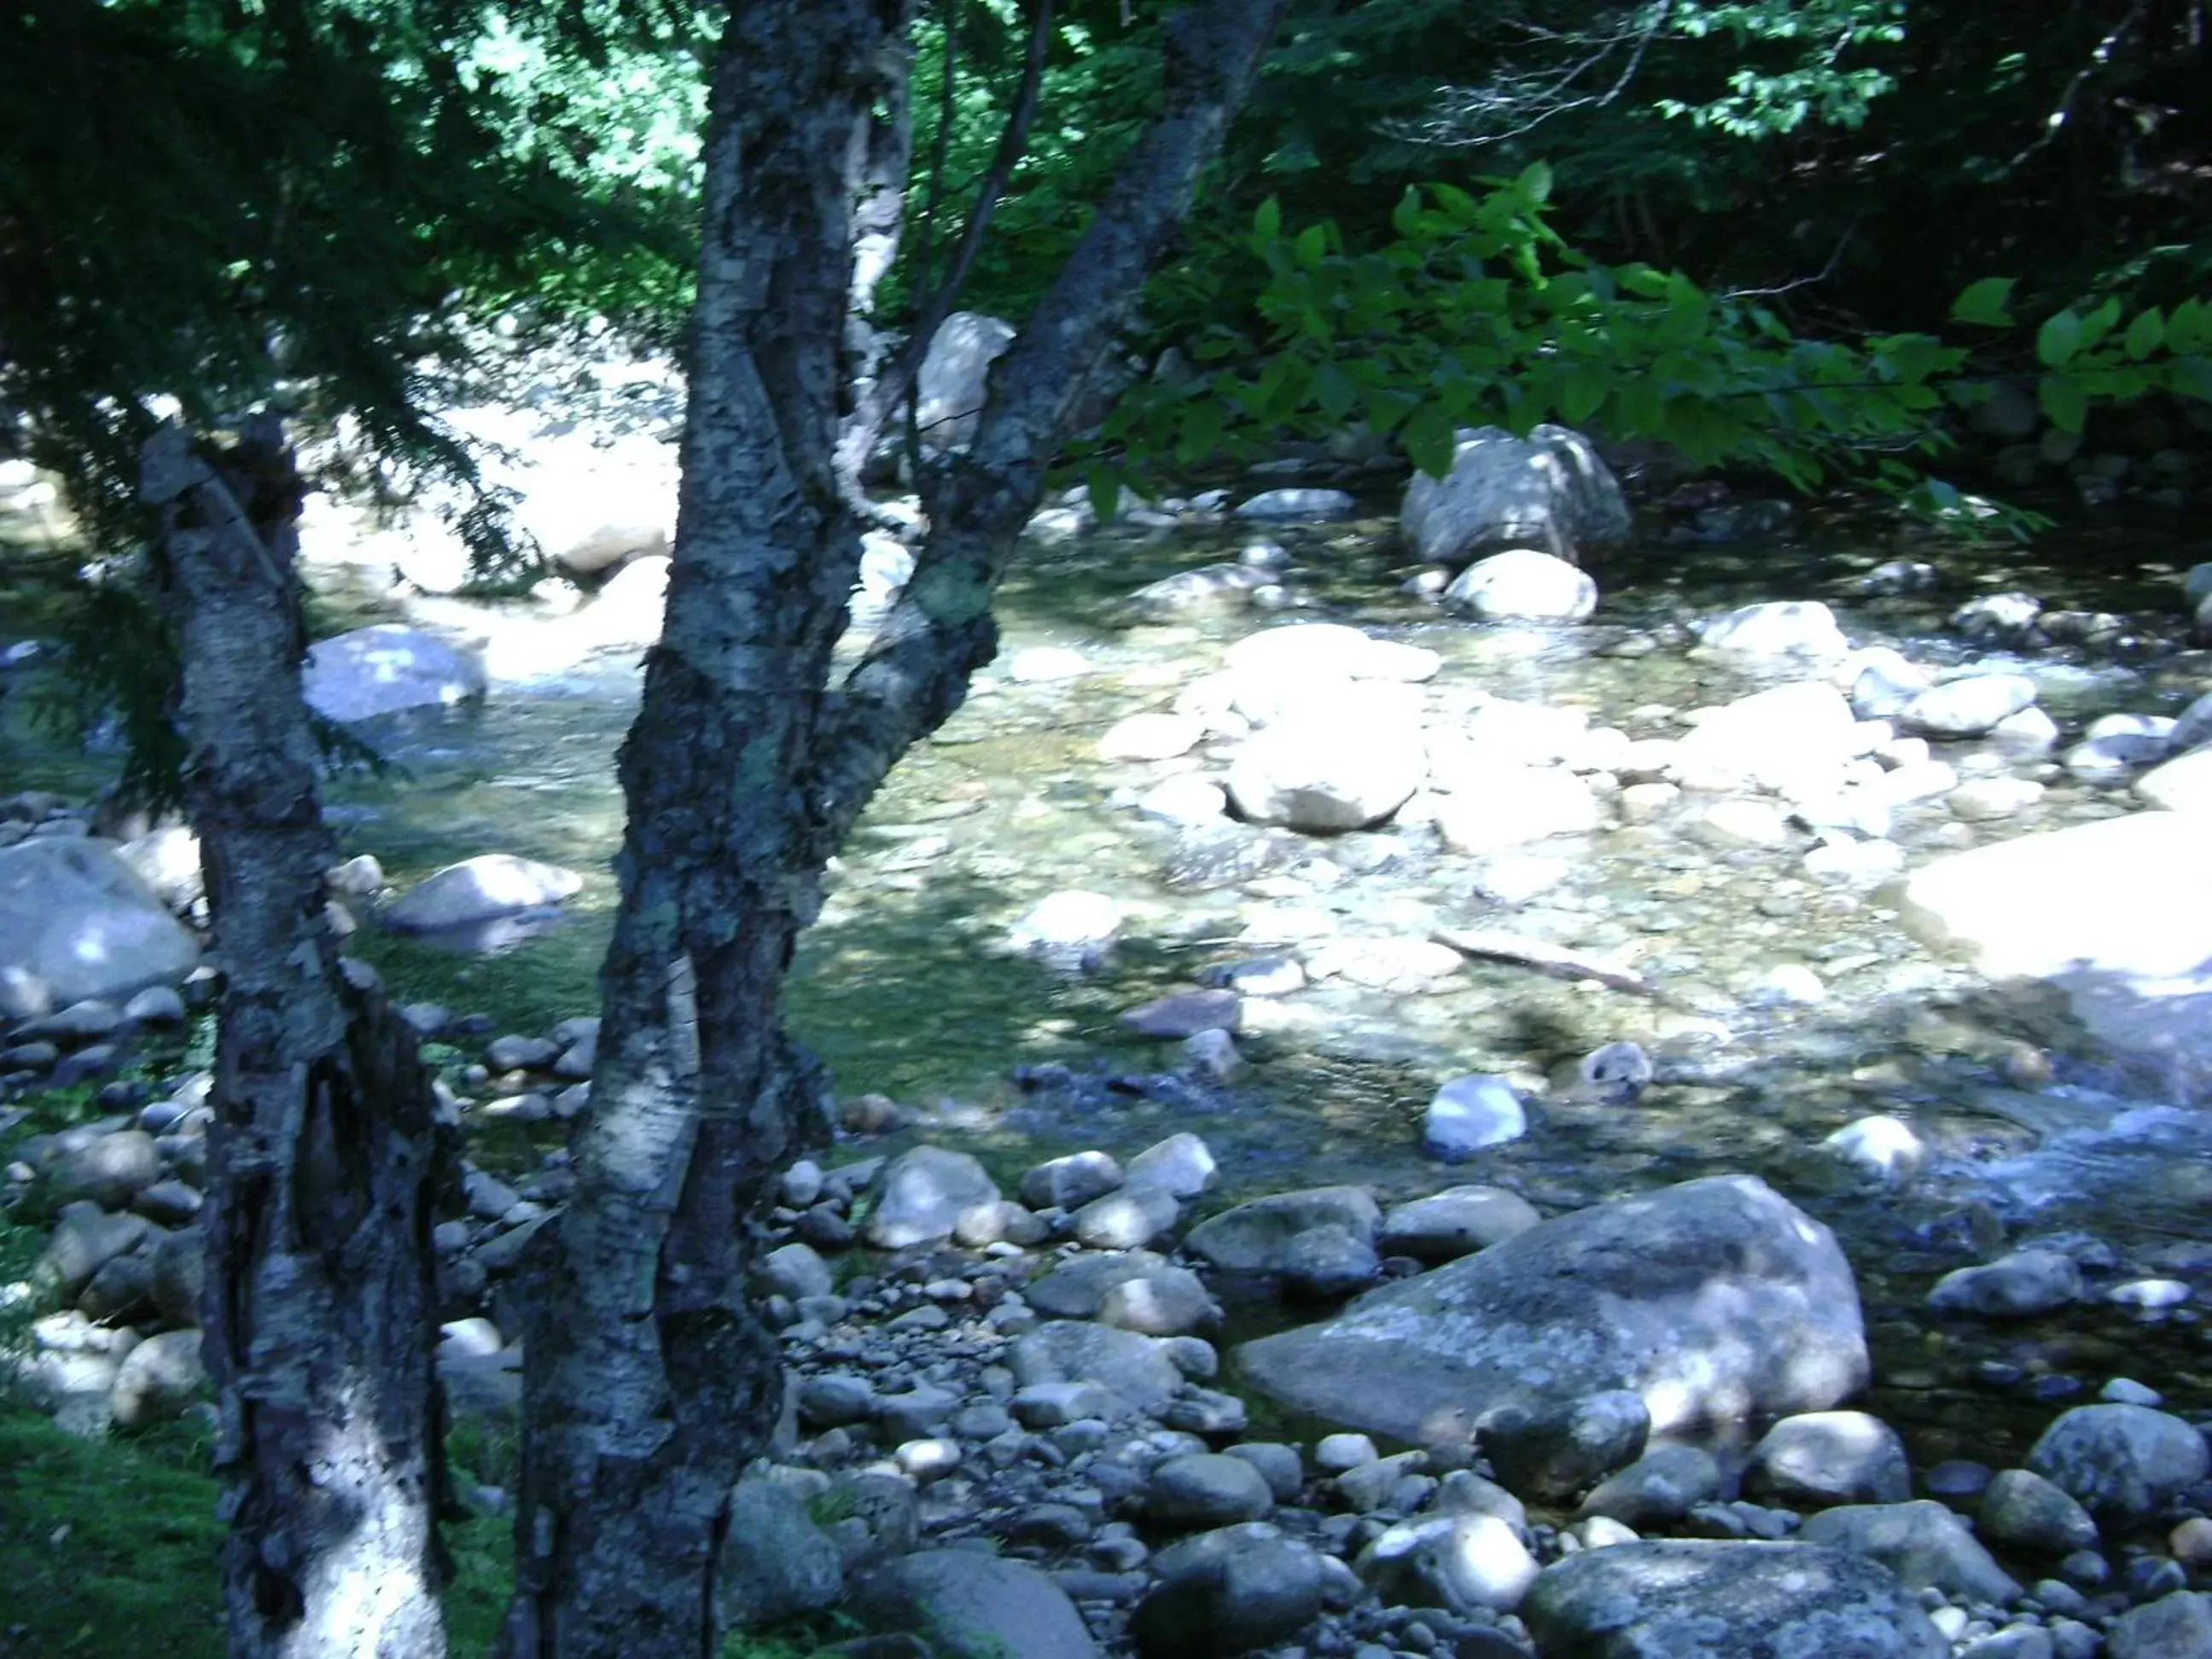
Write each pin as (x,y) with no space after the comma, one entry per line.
(2015,1287)
(77,924)
(1549,491)
(1553,1449)
(1070,1183)
(1471,1113)
(1968,707)
(1182,1165)
(1659,1488)
(158,1379)
(2024,1511)
(1135,1369)
(2120,1462)
(1801,629)
(921,1195)
(1716,1300)
(1700,1600)
(949,389)
(1077,1288)
(1924,1543)
(383,670)
(1253,1238)
(776,1563)
(1206,1490)
(1127,1220)
(1820,1458)
(1170,1302)
(1455,1222)
(481,889)
(1227,1592)
(110,1171)
(970,1605)
(2176,1627)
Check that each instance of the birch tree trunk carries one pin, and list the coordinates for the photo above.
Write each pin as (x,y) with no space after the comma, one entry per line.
(649,1382)
(325,1153)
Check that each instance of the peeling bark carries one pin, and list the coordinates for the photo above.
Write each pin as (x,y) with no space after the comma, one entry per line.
(649,1381)
(325,1154)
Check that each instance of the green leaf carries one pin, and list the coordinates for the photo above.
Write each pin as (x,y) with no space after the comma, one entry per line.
(1201,431)
(1535,182)
(1312,243)
(2189,329)
(2064,401)
(1104,484)
(2099,323)
(1268,223)
(1985,302)
(2057,341)
(1427,437)
(2145,335)
(1406,217)
(1584,391)
(2190,377)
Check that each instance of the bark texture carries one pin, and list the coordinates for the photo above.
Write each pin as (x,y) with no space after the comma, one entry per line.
(326,1154)
(649,1381)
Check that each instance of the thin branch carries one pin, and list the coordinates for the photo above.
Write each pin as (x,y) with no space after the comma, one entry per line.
(1835,258)
(2100,57)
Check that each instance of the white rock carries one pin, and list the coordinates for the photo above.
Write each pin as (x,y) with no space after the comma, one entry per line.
(1967,707)
(1523,586)
(1777,627)
(2182,785)
(1773,737)
(1882,1146)
(1740,822)
(1186,799)
(1329,771)
(481,889)
(1071,928)
(1987,800)
(1150,737)
(1470,1113)
(950,388)
(2193,729)
(1332,649)
(1517,804)
(1865,862)
(1039,665)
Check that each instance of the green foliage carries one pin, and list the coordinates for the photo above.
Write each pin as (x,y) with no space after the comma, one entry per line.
(1480,312)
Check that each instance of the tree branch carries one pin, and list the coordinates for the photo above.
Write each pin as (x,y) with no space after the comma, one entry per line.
(915,672)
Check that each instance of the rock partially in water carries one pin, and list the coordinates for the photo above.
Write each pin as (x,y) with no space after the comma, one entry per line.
(1802,629)
(1716,1300)
(1293,506)
(77,924)
(1211,587)
(1072,930)
(2123,1462)
(1658,1489)
(1182,1165)
(1251,1238)
(1455,1222)
(2115,913)
(1510,806)
(1549,491)
(2016,1286)
(480,889)
(385,670)
(1819,1459)
(2024,1511)
(1345,768)
(2183,785)
(1469,1114)
(1556,1447)
(1461,1562)
(1882,1147)
(1968,706)
(1523,586)
(2175,1626)
(1700,1600)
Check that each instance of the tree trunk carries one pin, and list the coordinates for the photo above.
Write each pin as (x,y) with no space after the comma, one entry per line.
(325,1153)
(649,1381)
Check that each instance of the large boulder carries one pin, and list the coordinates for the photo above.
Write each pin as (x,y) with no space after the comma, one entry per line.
(1716,1300)
(1693,1599)
(1227,1592)
(1802,730)
(1923,1542)
(1254,1238)
(2115,914)
(921,1193)
(949,390)
(481,889)
(383,670)
(2120,1461)
(776,1563)
(967,1604)
(1801,629)
(77,924)
(1548,491)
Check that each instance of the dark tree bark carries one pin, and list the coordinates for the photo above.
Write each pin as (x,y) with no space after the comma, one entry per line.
(326,1154)
(649,1381)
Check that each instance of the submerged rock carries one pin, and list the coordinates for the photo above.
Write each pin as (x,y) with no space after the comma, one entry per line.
(1548,491)
(1715,1300)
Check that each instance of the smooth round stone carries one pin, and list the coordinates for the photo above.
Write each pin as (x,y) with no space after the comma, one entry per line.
(1985,800)
(1956,1478)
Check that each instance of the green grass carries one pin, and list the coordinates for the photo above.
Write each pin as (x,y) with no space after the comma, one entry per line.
(108,1551)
